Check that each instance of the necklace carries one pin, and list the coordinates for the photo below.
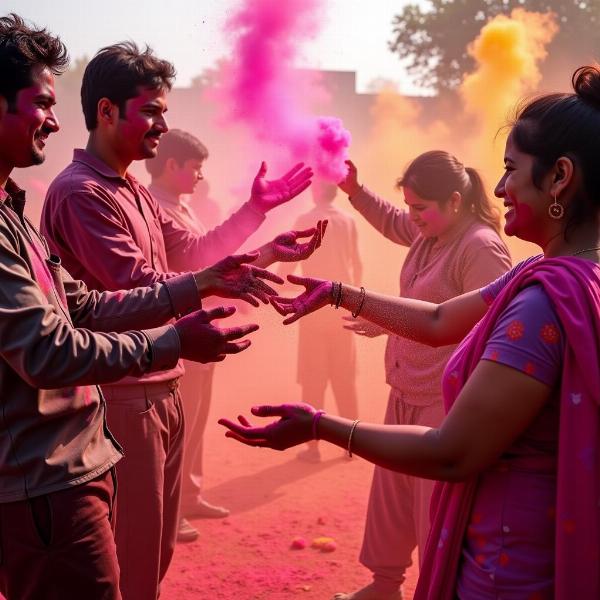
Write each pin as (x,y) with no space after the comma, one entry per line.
(586,250)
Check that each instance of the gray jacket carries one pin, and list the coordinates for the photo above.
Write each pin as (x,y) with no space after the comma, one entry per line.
(53,430)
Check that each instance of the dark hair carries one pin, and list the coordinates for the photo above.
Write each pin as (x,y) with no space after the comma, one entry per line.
(556,125)
(177,144)
(435,175)
(22,48)
(116,73)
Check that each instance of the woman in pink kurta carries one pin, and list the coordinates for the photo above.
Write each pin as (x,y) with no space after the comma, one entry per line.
(517,512)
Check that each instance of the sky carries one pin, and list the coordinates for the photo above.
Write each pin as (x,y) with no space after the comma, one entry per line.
(353,38)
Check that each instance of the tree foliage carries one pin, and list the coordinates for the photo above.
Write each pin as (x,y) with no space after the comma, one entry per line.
(432,40)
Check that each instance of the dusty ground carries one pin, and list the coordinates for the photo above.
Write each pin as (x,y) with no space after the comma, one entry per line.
(274,498)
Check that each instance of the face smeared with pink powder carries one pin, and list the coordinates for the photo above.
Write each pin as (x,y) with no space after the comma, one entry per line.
(432,219)
(526,205)
(261,89)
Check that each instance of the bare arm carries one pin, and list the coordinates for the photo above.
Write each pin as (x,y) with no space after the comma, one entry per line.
(424,322)
(496,405)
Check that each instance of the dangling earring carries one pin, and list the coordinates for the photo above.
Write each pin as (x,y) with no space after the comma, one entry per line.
(556,210)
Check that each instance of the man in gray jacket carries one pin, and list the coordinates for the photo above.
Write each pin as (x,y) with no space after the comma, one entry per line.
(57,341)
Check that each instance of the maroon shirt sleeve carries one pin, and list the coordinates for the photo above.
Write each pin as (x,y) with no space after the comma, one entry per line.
(188,251)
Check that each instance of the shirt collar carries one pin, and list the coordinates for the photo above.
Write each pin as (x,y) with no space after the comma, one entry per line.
(12,193)
(83,156)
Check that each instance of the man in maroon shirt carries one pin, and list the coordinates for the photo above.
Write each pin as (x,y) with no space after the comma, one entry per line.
(111,232)
(57,340)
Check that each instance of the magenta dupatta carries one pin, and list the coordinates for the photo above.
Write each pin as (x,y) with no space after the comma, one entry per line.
(573,286)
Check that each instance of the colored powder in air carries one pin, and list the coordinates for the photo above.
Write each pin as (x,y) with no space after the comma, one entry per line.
(261,89)
(507,52)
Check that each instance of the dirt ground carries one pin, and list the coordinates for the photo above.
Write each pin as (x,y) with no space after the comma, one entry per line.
(274,497)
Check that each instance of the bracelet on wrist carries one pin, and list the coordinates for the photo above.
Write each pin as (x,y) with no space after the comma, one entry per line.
(360,302)
(315,424)
(349,448)
(339,297)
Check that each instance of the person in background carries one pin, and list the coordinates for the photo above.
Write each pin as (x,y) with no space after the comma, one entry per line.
(326,351)
(176,170)
(518,455)
(110,231)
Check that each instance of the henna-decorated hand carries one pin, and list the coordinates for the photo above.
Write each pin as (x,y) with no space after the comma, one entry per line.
(316,295)
(266,195)
(233,278)
(201,341)
(294,426)
(363,327)
(350,183)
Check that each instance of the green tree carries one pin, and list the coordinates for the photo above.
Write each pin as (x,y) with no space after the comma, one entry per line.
(432,40)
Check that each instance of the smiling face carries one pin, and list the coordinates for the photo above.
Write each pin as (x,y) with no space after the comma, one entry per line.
(139,127)
(431,217)
(527,214)
(25,126)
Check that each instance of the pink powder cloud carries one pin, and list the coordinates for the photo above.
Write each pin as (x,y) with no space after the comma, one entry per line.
(261,88)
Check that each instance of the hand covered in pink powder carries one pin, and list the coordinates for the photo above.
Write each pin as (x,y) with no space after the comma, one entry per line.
(201,341)
(294,426)
(286,248)
(233,278)
(318,293)
(350,183)
(266,195)
(363,327)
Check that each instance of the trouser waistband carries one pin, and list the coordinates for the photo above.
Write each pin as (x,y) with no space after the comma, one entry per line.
(141,390)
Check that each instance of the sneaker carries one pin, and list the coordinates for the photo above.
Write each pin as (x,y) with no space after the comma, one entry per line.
(204,510)
(186,532)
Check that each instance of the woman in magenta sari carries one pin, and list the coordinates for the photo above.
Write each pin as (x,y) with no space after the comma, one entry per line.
(516,514)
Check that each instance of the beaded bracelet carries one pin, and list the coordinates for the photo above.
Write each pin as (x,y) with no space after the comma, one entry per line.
(339,298)
(335,292)
(315,423)
(349,449)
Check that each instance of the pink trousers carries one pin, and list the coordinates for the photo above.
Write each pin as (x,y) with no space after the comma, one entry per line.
(398,510)
(147,420)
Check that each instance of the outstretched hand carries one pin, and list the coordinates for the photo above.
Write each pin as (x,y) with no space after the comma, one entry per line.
(286,248)
(267,194)
(316,295)
(201,341)
(350,183)
(363,327)
(232,277)
(293,427)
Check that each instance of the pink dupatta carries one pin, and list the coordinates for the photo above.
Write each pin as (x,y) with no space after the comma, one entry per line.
(573,286)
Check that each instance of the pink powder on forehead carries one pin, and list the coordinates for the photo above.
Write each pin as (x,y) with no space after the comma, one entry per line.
(261,89)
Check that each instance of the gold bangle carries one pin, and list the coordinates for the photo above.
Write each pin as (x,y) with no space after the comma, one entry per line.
(349,449)
(361,302)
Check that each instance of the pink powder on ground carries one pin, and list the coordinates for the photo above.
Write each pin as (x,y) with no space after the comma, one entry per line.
(261,89)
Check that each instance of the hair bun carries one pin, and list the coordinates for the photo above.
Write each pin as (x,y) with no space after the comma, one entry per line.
(586,83)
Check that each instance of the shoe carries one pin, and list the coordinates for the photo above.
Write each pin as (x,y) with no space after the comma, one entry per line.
(186,532)
(310,455)
(205,510)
